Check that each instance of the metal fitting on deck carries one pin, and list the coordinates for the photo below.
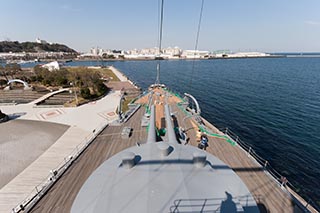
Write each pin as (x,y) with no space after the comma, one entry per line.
(164,148)
(199,159)
(128,160)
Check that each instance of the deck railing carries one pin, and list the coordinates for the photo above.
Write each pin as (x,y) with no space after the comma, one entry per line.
(306,205)
(127,115)
(54,174)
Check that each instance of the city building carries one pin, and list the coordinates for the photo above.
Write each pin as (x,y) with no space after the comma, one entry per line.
(197,54)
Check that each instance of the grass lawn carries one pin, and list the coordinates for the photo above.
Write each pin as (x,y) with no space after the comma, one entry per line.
(105,72)
(109,73)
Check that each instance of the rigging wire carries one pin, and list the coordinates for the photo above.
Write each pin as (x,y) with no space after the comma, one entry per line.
(158,27)
(196,43)
(160,42)
(161,23)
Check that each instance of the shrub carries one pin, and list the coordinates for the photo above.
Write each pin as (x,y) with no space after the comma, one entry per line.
(85,92)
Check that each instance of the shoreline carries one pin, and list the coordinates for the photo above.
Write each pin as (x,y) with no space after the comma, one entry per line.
(21,61)
(176,59)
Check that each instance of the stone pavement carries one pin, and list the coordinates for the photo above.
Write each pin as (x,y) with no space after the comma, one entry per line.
(121,76)
(86,116)
(83,120)
(38,171)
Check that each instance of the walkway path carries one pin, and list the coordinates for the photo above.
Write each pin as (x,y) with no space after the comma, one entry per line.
(48,95)
(118,74)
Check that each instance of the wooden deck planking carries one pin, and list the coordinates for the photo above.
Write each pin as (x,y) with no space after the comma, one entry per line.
(61,196)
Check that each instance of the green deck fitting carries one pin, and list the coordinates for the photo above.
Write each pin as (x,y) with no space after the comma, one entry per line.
(172,93)
(157,131)
(147,109)
(202,129)
(162,132)
(177,95)
(183,109)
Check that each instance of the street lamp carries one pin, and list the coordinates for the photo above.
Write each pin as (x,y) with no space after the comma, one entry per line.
(75,92)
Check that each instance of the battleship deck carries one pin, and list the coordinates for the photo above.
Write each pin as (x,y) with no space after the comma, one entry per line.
(269,196)
(61,196)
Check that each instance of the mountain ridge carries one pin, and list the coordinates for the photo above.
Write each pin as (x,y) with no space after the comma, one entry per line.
(16,46)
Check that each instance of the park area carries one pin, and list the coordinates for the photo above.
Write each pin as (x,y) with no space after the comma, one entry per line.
(84,83)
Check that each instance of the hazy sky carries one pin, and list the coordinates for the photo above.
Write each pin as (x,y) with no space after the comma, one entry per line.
(245,25)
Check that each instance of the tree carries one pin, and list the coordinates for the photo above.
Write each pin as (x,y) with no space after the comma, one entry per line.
(3,72)
(41,73)
(60,77)
(13,69)
(85,93)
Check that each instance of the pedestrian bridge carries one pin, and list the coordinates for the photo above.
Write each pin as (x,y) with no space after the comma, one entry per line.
(25,84)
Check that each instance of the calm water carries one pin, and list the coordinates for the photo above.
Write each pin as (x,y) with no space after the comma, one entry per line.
(273,104)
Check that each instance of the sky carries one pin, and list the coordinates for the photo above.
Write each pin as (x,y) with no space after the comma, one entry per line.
(237,25)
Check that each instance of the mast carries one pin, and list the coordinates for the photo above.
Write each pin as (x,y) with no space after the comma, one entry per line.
(158,58)
(196,44)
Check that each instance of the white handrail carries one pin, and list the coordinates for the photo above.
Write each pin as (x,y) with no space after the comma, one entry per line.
(281,180)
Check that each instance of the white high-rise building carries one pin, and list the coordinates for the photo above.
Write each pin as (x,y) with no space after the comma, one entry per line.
(39,41)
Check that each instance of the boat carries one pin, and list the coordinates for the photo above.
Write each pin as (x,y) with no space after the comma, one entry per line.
(150,160)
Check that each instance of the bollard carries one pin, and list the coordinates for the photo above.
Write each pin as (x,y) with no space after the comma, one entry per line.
(249,152)
(199,159)
(164,148)
(128,160)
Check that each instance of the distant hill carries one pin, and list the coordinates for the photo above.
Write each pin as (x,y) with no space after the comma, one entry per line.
(15,46)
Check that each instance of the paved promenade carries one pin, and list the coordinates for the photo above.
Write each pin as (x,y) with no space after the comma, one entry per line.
(18,149)
(118,74)
(86,116)
(83,120)
(36,173)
